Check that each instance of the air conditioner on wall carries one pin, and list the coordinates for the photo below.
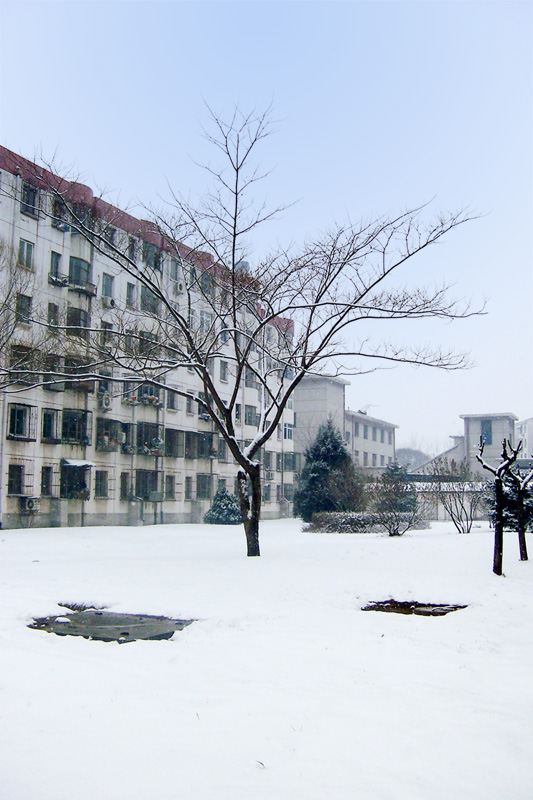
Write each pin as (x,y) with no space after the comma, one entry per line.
(270,475)
(178,287)
(30,505)
(108,302)
(105,401)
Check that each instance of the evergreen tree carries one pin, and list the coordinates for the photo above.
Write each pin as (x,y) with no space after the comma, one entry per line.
(225,509)
(394,500)
(328,481)
(511,505)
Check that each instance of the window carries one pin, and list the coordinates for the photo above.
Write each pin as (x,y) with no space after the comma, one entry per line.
(205,445)
(20,364)
(221,484)
(25,258)
(279,431)
(347,437)
(238,412)
(287,430)
(279,462)
(356,457)
(29,203)
(149,301)
(224,333)
(76,426)
(365,431)
(146,481)
(78,369)
(50,426)
(107,285)
(382,461)
(486,431)
(109,236)
(203,487)
(130,295)
(266,492)
(206,321)
(174,269)
(59,214)
(78,322)
(190,404)
(290,462)
(100,483)
(79,272)
(191,444)
(390,437)
(107,434)
(106,333)
(22,422)
(74,482)
(149,438)
(249,378)
(23,309)
(206,284)
(188,488)
(151,256)
(374,460)
(172,400)
(356,429)
(174,443)
(222,450)
(374,433)
(288,491)
(15,479)
(53,314)
(382,435)
(250,415)
(47,479)
(131,248)
(365,459)
(55,264)
(170,487)
(124,485)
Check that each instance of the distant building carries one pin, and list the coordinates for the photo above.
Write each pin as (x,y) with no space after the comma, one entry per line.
(370,441)
(524,434)
(492,429)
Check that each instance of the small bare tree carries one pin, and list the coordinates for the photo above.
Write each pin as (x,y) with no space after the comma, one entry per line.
(455,488)
(287,316)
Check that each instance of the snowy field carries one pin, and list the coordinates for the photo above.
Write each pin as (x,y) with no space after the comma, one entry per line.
(284,689)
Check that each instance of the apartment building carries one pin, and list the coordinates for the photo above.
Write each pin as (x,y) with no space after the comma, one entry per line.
(111,448)
(370,441)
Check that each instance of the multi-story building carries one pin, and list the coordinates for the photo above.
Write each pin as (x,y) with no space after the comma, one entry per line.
(370,441)
(115,448)
(491,429)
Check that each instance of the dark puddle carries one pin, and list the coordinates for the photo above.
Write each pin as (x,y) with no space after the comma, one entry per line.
(105,626)
(408,607)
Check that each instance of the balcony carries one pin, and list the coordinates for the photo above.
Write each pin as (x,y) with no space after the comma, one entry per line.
(83,288)
(57,280)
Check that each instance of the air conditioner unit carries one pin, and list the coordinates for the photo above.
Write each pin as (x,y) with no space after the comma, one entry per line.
(270,475)
(122,437)
(178,287)
(30,505)
(205,417)
(105,401)
(109,302)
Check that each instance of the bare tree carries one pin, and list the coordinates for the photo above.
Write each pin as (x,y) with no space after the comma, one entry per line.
(294,313)
(456,490)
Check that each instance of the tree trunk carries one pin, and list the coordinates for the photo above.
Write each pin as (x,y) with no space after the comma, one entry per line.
(497,564)
(250,507)
(521,525)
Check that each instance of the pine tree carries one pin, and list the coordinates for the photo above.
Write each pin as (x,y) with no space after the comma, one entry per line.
(225,509)
(328,481)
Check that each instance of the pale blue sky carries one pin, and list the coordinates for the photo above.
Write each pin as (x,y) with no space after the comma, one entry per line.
(381,105)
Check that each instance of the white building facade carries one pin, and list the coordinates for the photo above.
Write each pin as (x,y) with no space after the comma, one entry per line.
(108,451)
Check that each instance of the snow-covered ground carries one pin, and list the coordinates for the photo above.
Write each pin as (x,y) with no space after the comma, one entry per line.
(284,689)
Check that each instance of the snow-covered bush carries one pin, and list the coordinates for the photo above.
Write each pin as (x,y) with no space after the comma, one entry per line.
(344,522)
(225,509)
